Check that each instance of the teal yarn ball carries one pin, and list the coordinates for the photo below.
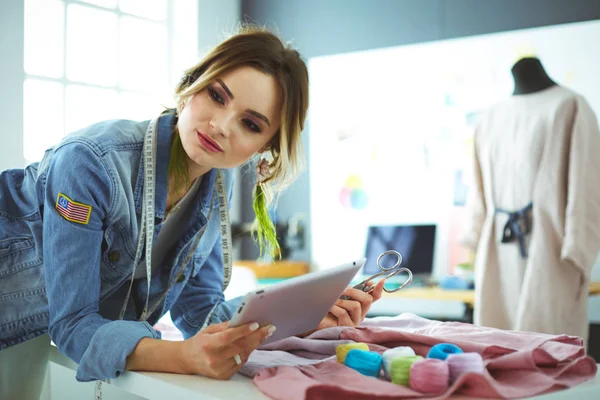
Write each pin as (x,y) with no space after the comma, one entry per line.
(366,362)
(441,351)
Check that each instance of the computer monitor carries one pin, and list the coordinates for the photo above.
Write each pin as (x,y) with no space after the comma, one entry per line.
(414,242)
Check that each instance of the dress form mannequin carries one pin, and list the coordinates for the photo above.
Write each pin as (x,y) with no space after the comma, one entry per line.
(544,137)
(529,76)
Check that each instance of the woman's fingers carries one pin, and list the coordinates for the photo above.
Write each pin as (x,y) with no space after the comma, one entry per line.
(378,290)
(352,312)
(230,335)
(214,328)
(353,308)
(237,353)
(358,296)
(214,350)
(247,344)
(342,316)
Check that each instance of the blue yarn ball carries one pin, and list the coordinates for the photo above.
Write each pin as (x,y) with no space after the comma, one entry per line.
(441,351)
(366,362)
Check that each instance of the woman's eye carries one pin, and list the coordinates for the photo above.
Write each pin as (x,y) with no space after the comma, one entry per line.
(216,96)
(251,125)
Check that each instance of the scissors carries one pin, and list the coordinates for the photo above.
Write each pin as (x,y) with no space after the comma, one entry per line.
(390,271)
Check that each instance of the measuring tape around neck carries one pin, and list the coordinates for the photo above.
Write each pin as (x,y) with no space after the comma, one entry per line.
(147,226)
(147,218)
(225,223)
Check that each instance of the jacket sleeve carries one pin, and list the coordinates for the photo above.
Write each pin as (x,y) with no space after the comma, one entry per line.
(72,251)
(581,241)
(476,209)
(202,301)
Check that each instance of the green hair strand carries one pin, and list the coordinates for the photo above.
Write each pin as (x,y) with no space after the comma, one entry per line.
(265,233)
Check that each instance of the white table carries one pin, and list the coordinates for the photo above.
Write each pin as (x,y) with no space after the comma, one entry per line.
(154,385)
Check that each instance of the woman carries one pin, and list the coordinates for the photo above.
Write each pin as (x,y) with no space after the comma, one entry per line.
(73,245)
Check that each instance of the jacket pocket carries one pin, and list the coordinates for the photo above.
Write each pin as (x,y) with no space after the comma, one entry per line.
(17,253)
(24,306)
(115,253)
(14,245)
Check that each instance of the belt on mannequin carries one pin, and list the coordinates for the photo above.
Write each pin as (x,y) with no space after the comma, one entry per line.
(517,226)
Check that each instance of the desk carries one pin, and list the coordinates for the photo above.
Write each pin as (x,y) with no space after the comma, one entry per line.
(467,297)
(151,385)
(159,386)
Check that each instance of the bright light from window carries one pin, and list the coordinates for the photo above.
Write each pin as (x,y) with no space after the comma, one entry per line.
(86,105)
(91,45)
(43,124)
(185,37)
(116,59)
(139,66)
(44,36)
(153,9)
(139,107)
(102,3)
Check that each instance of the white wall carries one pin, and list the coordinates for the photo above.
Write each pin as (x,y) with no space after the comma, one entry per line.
(11,84)
(216,19)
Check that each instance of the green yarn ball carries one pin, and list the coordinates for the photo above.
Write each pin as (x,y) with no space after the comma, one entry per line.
(400,369)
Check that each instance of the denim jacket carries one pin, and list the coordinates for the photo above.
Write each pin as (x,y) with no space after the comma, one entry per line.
(68,274)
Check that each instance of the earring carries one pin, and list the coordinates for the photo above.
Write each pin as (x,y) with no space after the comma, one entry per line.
(262,170)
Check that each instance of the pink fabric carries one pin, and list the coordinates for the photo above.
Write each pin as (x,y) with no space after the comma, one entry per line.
(518,364)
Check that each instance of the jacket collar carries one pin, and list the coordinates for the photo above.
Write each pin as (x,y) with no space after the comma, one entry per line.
(164,133)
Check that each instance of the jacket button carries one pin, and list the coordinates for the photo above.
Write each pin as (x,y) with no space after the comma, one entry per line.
(180,278)
(114,256)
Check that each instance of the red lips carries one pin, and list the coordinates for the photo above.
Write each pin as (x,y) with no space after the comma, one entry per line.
(208,143)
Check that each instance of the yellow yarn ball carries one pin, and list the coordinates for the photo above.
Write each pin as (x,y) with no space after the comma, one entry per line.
(342,350)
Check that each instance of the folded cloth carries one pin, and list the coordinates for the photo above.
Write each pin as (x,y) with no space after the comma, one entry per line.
(518,364)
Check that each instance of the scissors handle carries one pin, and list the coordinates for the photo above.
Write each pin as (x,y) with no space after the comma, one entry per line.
(360,286)
(385,253)
(408,280)
(388,272)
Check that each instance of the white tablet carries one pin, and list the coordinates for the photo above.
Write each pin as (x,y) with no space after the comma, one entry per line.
(296,305)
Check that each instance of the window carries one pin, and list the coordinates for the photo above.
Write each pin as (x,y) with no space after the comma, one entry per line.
(91,60)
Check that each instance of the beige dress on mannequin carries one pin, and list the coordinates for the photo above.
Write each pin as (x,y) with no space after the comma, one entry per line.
(541,148)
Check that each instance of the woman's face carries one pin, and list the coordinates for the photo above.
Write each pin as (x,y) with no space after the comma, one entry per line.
(235,117)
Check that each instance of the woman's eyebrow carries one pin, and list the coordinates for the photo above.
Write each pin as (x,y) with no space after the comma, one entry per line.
(259,115)
(252,112)
(226,89)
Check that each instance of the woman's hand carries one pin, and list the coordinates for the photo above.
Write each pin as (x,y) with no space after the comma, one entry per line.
(351,312)
(213,351)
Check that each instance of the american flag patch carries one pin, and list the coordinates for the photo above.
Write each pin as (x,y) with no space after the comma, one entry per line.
(72,210)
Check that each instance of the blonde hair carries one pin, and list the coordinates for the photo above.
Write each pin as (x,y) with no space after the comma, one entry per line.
(259,48)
